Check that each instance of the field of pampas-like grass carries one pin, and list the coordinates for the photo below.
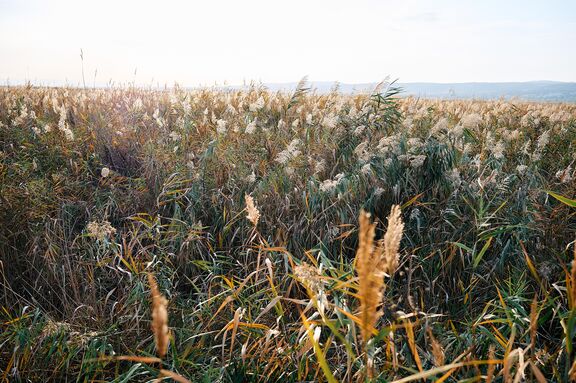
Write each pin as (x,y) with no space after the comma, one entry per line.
(254,236)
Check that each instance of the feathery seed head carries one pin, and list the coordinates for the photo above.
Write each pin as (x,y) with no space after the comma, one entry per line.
(253,212)
(391,242)
(159,318)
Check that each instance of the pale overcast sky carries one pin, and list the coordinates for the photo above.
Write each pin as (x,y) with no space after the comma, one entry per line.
(218,41)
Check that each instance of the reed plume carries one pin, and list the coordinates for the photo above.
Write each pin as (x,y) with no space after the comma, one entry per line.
(159,318)
(372,264)
(370,281)
(251,209)
(390,244)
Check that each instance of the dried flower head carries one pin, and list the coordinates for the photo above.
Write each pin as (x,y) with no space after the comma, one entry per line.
(370,282)
(253,213)
(391,242)
(257,105)
(221,126)
(100,230)
(373,262)
(565,175)
(159,318)
(251,127)
(309,276)
(290,152)
(417,161)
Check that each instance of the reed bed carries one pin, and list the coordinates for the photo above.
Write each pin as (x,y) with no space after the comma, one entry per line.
(251,236)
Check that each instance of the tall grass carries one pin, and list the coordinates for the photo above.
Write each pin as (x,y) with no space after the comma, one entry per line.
(296,237)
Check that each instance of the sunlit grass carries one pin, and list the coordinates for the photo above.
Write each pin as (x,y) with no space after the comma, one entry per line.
(245,207)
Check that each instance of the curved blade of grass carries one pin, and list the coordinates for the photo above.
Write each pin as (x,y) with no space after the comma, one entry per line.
(319,353)
(561,198)
(479,256)
(448,367)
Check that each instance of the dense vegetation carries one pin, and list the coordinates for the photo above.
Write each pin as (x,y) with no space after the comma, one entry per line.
(244,206)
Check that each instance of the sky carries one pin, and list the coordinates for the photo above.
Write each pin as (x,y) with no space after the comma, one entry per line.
(219,42)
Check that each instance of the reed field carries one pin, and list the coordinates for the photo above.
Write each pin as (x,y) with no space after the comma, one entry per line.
(220,235)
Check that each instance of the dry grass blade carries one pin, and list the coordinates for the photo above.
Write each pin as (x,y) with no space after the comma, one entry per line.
(533,322)
(537,373)
(139,359)
(235,322)
(448,367)
(572,372)
(159,318)
(429,373)
(446,375)
(129,358)
(412,345)
(174,376)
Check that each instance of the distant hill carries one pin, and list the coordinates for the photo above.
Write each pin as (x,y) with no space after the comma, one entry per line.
(531,90)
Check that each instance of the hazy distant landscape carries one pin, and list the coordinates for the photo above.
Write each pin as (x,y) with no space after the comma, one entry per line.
(555,91)
(530,90)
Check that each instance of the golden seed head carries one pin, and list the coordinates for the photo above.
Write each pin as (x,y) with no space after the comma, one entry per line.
(369,281)
(372,263)
(159,318)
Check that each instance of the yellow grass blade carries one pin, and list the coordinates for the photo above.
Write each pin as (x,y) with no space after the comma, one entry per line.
(172,375)
(319,353)
(412,344)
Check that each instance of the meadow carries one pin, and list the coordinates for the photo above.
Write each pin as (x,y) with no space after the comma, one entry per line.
(257,236)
